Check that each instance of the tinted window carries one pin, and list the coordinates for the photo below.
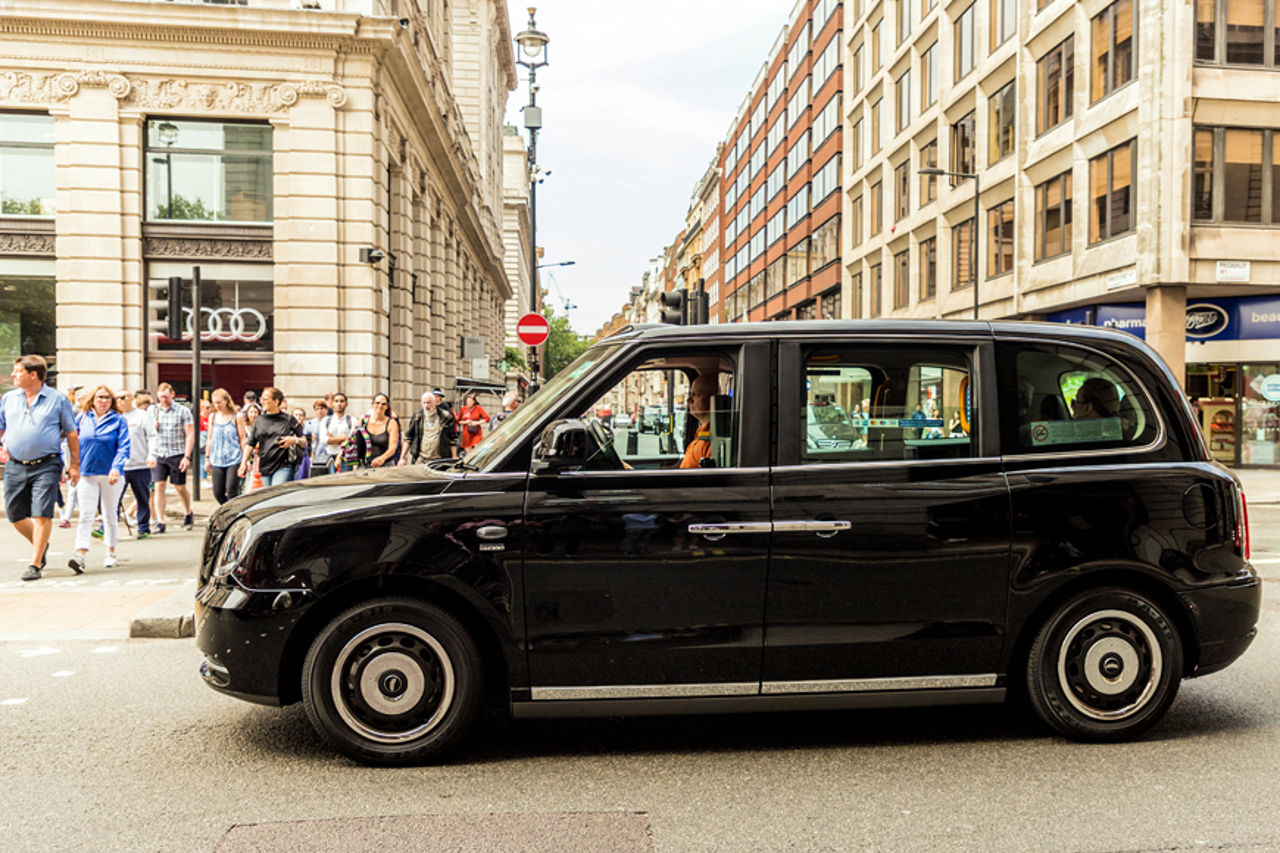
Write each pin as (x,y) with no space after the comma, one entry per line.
(1061,398)
(885,403)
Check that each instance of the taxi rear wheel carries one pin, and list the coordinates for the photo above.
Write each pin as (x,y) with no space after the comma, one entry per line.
(393,681)
(1105,666)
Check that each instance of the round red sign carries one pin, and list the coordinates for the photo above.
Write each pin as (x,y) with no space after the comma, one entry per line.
(532,329)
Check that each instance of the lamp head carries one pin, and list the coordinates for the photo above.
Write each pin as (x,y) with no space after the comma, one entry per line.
(532,42)
(167,132)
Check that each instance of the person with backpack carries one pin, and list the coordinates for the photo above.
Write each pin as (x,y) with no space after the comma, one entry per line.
(335,429)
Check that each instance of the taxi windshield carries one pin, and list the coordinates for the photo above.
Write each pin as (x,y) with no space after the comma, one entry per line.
(494,445)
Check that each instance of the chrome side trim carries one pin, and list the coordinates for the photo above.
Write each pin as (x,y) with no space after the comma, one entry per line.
(645,691)
(733,527)
(808,526)
(887,463)
(867,685)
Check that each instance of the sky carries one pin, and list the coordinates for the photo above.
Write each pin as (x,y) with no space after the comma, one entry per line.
(635,97)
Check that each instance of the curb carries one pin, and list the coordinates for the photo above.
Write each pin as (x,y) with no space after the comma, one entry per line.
(172,618)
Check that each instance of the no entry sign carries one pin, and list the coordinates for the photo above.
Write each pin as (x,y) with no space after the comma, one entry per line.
(532,329)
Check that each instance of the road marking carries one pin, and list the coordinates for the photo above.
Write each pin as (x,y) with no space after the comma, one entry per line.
(13,701)
(87,584)
(106,650)
(63,673)
(40,652)
(1266,561)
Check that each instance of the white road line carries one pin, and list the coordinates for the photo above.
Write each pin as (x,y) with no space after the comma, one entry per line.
(63,673)
(13,701)
(106,650)
(36,653)
(1266,561)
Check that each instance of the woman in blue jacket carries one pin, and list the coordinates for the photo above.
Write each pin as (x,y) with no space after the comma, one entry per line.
(104,450)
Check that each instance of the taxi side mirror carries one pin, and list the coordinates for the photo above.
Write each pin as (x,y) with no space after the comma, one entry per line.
(565,445)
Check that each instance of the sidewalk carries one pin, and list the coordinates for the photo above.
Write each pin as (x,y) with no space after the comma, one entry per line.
(149,594)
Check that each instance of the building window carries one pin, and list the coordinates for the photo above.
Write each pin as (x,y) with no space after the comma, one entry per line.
(875,47)
(966,43)
(827,121)
(807,311)
(1000,120)
(855,296)
(826,62)
(1000,239)
(798,262)
(1003,21)
(26,167)
(926,6)
(904,20)
(776,181)
(855,221)
(929,77)
(1237,32)
(964,146)
(798,155)
(825,246)
(877,212)
(755,288)
(962,255)
(1053,217)
(1055,85)
(775,277)
(902,100)
(928,268)
(829,306)
(776,227)
(902,279)
(874,284)
(798,106)
(1206,31)
(855,145)
(857,69)
(208,171)
(1110,191)
(236,306)
(826,180)
(1113,47)
(902,190)
(798,206)
(28,308)
(928,183)
(1236,175)
(875,126)
(777,87)
(800,48)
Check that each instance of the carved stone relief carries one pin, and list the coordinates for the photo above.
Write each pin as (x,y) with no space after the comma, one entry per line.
(166,247)
(167,93)
(26,244)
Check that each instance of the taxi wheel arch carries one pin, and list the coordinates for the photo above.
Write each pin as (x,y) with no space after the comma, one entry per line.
(1105,665)
(393,681)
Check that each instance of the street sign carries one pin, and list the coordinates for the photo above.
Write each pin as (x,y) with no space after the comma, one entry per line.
(532,329)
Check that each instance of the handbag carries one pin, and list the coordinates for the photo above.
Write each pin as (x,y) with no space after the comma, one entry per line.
(473,429)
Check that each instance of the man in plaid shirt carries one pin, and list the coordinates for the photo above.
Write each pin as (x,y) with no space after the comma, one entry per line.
(175,429)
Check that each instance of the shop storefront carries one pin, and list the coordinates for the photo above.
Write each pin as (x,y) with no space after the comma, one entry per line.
(1233,369)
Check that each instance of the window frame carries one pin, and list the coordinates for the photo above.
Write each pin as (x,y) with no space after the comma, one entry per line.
(34,146)
(1064,52)
(1109,85)
(1004,100)
(1270,200)
(958,52)
(902,191)
(1109,155)
(1065,189)
(902,279)
(149,152)
(997,222)
(928,254)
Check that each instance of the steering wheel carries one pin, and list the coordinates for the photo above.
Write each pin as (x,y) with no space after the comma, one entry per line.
(606,457)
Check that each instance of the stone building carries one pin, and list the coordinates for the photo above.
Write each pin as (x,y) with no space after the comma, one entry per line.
(334,167)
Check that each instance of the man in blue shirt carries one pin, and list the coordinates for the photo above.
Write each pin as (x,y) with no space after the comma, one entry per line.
(34,419)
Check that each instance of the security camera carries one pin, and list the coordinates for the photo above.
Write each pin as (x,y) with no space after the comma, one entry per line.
(372,256)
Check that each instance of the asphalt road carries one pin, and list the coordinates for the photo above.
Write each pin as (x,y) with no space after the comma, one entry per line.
(116,745)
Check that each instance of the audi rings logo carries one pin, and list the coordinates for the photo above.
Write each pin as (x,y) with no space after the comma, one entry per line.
(227,325)
(1205,320)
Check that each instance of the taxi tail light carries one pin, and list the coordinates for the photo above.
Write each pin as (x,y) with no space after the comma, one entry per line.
(1240,537)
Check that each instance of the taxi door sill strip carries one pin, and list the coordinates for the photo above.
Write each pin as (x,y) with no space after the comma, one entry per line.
(748,688)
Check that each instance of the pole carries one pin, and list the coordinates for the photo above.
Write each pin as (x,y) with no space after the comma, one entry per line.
(196,464)
(977,211)
(533,225)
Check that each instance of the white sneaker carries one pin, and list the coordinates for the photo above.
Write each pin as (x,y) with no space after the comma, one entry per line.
(109,562)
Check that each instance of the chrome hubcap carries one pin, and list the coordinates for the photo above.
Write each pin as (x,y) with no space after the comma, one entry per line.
(392,683)
(1109,665)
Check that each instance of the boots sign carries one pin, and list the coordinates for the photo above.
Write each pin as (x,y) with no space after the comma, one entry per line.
(1227,319)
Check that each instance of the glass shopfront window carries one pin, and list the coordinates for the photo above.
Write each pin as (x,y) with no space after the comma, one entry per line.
(199,171)
(26,164)
(28,312)
(1260,414)
(236,310)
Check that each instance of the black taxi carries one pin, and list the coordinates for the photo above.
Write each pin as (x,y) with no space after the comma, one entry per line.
(840,515)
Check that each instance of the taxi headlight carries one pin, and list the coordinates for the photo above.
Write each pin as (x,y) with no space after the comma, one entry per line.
(234,548)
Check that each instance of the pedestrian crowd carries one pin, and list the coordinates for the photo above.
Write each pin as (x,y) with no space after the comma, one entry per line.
(101,444)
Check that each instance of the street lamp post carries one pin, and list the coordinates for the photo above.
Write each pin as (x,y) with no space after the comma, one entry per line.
(977,212)
(167,132)
(532,54)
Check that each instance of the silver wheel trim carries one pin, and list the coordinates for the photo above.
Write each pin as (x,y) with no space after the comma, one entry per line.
(368,683)
(1099,681)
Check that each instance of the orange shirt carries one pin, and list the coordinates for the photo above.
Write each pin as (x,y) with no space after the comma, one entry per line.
(698,449)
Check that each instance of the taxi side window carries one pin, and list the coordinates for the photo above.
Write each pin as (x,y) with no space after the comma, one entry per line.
(661,406)
(1060,398)
(886,403)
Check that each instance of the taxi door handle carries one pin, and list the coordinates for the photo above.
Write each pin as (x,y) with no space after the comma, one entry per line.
(491,532)
(824,529)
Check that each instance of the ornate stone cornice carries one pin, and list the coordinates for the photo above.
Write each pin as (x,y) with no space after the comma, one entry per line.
(240,250)
(27,244)
(167,93)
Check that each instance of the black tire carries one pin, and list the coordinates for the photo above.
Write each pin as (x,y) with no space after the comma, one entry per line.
(1105,666)
(393,681)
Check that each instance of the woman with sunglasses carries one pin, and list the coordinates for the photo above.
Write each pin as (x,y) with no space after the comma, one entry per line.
(376,441)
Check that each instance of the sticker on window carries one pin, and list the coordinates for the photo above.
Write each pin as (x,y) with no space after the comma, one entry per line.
(1076,432)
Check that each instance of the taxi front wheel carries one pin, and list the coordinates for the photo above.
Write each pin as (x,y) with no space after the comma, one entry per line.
(393,681)
(1105,666)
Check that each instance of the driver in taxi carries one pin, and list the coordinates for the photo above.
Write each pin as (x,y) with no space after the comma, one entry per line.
(705,386)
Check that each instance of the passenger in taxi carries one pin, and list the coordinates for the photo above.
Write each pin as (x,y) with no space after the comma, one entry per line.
(1097,398)
(705,386)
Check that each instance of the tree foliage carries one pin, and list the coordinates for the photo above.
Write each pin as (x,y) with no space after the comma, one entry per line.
(185,208)
(563,344)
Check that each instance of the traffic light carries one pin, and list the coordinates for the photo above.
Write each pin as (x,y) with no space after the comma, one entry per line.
(675,306)
(700,305)
(174,307)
